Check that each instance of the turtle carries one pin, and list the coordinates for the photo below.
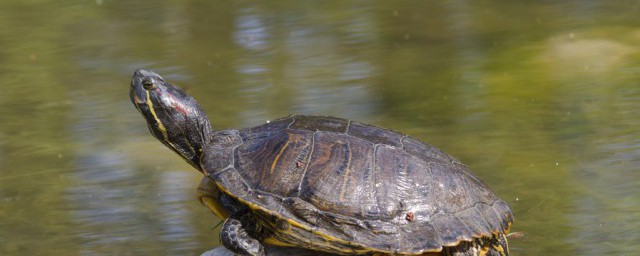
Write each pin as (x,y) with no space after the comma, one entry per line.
(325,183)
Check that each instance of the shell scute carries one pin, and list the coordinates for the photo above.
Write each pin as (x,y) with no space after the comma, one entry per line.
(319,123)
(375,134)
(341,186)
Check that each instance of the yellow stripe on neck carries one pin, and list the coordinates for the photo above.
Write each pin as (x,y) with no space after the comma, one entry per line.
(161,127)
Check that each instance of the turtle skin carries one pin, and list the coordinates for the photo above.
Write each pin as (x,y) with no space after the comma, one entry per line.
(344,187)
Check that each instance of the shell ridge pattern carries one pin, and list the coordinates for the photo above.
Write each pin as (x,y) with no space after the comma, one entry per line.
(469,231)
(314,228)
(347,222)
(372,166)
(234,151)
(377,182)
(227,149)
(293,120)
(398,236)
(220,171)
(402,141)
(232,166)
(306,164)
(435,230)
(464,221)
(347,169)
(493,229)
(348,126)
(443,233)
(267,193)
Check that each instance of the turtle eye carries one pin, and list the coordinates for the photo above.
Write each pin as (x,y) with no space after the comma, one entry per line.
(147,84)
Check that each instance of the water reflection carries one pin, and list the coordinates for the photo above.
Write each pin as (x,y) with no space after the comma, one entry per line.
(303,69)
(608,209)
(116,206)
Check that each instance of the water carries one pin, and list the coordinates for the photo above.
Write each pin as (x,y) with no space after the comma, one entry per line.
(540,99)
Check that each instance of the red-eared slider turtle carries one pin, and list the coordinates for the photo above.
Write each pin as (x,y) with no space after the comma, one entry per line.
(326,183)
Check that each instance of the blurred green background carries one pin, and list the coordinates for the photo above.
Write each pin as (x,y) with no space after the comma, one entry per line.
(539,98)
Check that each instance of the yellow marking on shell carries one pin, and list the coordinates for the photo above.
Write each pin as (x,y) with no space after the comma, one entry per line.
(345,179)
(275,161)
(161,127)
(274,241)
(330,238)
(254,206)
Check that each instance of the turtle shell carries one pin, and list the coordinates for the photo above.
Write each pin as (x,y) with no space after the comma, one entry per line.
(345,187)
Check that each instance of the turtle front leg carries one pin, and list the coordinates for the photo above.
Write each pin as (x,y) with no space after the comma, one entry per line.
(235,235)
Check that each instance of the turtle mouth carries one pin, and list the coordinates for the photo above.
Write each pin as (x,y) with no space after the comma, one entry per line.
(135,99)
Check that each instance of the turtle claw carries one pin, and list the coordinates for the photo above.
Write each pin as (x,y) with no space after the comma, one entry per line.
(235,238)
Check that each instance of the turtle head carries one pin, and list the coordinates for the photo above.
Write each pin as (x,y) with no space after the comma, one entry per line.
(173,117)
